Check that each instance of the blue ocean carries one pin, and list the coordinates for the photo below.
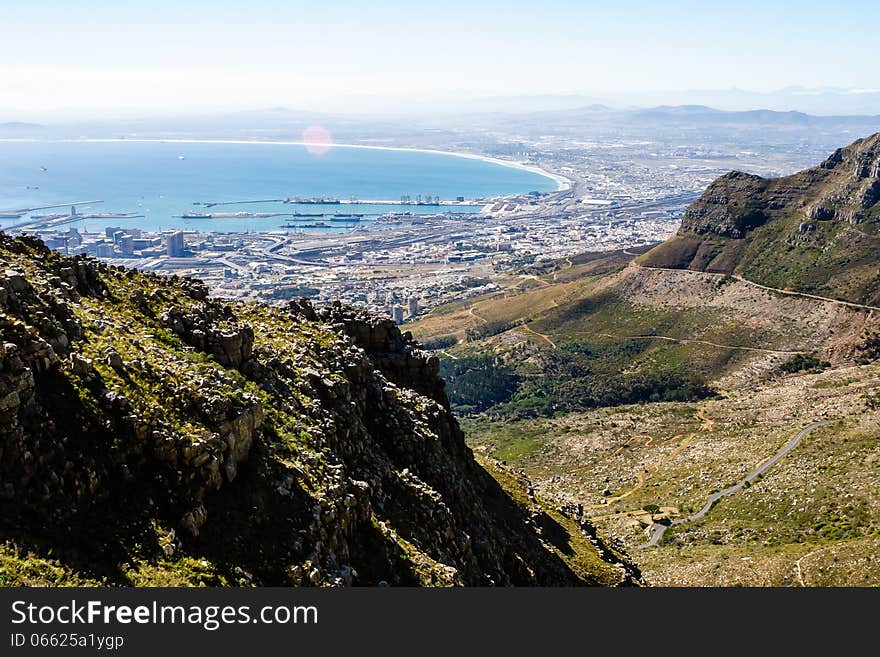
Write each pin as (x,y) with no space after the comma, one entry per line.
(162,180)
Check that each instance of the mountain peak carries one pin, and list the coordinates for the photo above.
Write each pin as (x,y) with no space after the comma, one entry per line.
(862,154)
(815,230)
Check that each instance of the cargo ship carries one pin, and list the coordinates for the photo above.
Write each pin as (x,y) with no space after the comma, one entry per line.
(346,217)
(317,224)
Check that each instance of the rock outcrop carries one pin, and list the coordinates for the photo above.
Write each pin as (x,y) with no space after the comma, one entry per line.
(151,434)
(815,231)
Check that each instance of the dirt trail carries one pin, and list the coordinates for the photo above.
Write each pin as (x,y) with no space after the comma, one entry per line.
(799,569)
(791,293)
(540,335)
(778,352)
(649,440)
(532,277)
(473,313)
(707,425)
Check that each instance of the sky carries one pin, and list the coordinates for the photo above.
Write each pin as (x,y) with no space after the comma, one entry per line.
(122,57)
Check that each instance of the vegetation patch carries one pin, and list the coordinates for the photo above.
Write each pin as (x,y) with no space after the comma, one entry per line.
(801,363)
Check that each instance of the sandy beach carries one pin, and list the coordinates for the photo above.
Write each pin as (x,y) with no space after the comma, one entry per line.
(562,182)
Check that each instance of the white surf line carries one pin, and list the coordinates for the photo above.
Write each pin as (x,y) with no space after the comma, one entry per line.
(562,183)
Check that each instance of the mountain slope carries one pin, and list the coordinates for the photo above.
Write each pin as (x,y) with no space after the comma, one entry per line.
(151,435)
(638,387)
(816,231)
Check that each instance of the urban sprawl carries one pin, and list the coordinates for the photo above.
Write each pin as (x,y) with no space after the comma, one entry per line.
(403,263)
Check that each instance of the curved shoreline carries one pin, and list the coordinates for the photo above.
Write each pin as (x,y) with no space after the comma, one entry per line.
(562,183)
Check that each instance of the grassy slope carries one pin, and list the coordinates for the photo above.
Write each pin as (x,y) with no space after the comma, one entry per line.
(180,389)
(833,258)
(595,311)
(836,259)
(573,457)
(561,533)
(822,496)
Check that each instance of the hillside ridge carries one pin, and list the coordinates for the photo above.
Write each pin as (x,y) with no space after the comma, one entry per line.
(150,434)
(815,231)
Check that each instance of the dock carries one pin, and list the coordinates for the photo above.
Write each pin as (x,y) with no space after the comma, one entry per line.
(22,211)
(373,201)
(211,204)
(294,216)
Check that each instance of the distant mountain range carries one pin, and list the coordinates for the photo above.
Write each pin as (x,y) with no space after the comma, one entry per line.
(825,101)
(704,115)
(576,113)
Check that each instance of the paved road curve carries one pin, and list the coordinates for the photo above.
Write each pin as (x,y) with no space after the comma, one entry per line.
(658,529)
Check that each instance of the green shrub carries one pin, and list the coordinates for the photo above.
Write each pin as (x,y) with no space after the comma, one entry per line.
(801,363)
(440,342)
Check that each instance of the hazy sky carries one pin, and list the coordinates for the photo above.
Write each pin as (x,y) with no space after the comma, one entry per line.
(170,56)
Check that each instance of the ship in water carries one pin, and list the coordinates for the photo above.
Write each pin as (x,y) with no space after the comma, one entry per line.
(346,217)
(314,200)
(196,215)
(317,224)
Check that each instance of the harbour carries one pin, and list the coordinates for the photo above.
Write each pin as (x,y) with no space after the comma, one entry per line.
(243,187)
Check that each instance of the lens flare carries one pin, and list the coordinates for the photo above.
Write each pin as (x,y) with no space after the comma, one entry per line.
(317,140)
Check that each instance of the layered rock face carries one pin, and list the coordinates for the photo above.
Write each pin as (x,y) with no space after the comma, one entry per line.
(844,187)
(815,231)
(144,425)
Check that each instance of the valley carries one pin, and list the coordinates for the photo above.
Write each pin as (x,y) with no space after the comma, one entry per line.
(636,386)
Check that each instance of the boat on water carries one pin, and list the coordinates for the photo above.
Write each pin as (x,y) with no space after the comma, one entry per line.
(196,215)
(308,214)
(9,215)
(346,217)
(315,200)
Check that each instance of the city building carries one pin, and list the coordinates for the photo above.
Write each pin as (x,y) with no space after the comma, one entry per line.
(104,250)
(174,244)
(126,244)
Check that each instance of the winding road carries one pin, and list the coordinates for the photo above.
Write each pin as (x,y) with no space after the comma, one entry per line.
(790,293)
(658,529)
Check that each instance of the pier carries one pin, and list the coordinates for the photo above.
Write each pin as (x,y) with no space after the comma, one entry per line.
(355,201)
(22,211)
(294,216)
(211,204)
(328,200)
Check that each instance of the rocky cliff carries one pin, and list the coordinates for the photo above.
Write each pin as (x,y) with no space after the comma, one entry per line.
(815,231)
(152,435)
